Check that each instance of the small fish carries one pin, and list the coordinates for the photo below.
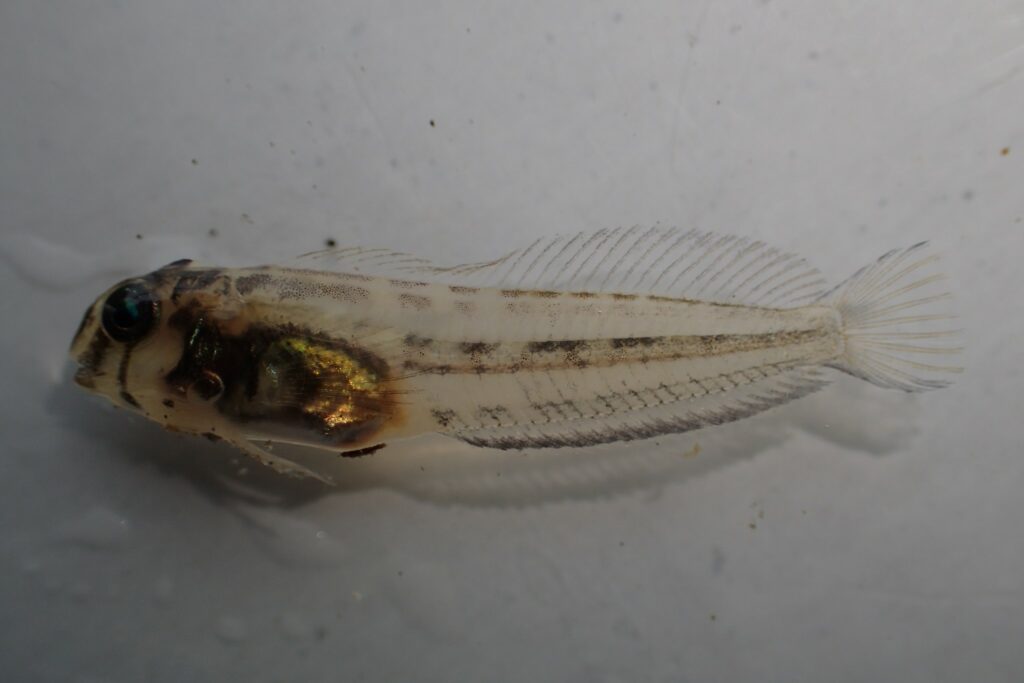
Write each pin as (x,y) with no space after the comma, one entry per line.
(576,340)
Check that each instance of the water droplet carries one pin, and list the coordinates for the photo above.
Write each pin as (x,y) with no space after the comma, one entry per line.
(99,528)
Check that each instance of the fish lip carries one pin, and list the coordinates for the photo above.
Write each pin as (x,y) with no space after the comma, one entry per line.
(84,377)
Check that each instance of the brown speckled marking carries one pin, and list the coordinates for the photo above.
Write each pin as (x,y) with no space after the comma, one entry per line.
(499,415)
(294,288)
(444,418)
(246,284)
(407,284)
(553,346)
(347,293)
(571,348)
(518,307)
(168,403)
(584,295)
(414,301)
(513,293)
(465,307)
(544,294)
(631,342)
(477,348)
(416,342)
(194,281)
(479,354)
(459,289)
(357,277)
(624,297)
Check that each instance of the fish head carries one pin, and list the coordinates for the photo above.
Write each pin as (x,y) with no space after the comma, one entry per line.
(131,342)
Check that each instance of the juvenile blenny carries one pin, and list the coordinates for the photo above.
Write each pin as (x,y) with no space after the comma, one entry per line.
(585,339)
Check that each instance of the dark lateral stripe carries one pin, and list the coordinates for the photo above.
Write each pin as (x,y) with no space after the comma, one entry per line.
(484,358)
(122,376)
(92,359)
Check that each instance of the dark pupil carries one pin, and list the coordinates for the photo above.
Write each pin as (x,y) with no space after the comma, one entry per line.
(129,312)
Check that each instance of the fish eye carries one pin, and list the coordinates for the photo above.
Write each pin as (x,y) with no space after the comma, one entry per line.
(129,312)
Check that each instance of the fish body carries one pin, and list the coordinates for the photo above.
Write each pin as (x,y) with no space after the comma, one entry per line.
(578,340)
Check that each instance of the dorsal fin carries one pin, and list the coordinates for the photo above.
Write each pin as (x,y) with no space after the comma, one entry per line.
(663,261)
(368,261)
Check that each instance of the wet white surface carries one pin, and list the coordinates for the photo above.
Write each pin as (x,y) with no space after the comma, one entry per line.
(858,535)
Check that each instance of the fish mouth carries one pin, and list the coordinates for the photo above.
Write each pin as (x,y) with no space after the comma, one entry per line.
(85,377)
(89,356)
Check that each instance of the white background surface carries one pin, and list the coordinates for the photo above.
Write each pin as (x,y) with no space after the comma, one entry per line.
(858,536)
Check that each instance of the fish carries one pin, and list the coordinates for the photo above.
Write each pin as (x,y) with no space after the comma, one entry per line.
(575,340)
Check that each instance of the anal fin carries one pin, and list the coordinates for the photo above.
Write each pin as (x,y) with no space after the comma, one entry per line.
(279,464)
(670,418)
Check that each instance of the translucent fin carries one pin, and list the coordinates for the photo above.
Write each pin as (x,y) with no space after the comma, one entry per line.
(662,261)
(277,463)
(895,322)
(365,261)
(681,416)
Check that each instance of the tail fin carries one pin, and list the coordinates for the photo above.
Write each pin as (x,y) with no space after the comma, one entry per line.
(893,320)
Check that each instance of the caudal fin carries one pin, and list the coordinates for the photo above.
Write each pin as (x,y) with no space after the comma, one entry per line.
(896,324)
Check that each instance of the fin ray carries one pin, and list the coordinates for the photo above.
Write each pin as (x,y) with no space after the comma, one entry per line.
(686,264)
(887,304)
(661,261)
(724,405)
